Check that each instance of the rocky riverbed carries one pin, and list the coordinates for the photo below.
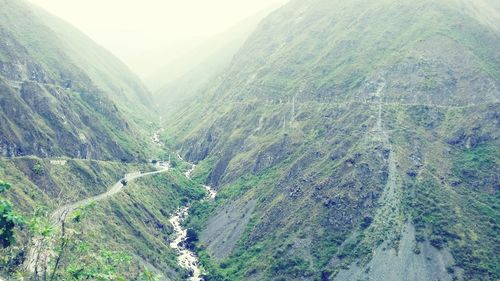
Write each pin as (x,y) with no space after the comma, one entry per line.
(186,257)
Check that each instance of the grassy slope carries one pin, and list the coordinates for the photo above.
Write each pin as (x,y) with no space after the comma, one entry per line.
(40,186)
(61,79)
(106,71)
(316,169)
(134,222)
(312,195)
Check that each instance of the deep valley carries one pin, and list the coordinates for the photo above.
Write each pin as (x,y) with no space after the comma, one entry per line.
(341,140)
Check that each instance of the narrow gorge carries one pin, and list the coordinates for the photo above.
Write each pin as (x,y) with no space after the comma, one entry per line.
(187,257)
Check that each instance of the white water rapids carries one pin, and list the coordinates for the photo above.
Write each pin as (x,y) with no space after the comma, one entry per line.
(186,258)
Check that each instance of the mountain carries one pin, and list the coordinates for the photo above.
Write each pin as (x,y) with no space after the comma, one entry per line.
(61,94)
(352,140)
(107,72)
(183,78)
(72,131)
(119,236)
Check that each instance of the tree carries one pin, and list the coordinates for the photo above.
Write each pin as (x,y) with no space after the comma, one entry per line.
(8,218)
(75,259)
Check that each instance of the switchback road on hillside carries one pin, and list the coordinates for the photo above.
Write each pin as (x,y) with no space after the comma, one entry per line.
(41,248)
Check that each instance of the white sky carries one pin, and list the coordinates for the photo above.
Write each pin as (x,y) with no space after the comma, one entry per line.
(137,30)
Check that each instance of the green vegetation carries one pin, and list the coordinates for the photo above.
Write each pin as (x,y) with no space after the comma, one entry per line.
(68,97)
(336,135)
(85,263)
(474,166)
(293,126)
(464,215)
(8,218)
(453,201)
(136,222)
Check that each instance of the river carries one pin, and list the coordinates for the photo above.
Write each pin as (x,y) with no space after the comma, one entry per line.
(186,258)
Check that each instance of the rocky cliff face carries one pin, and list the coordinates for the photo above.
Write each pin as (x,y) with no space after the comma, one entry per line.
(350,133)
(52,102)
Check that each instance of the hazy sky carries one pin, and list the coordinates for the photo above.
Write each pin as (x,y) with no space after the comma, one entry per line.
(137,30)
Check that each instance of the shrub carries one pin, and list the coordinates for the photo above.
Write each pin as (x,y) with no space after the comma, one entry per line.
(38,168)
(8,219)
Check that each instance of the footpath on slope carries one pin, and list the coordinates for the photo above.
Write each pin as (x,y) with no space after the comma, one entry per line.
(40,250)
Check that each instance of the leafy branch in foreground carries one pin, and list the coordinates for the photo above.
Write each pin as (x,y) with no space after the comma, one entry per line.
(8,218)
(76,260)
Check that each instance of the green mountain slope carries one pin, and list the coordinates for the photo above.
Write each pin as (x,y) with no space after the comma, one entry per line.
(61,94)
(353,140)
(69,132)
(180,81)
(107,72)
(133,223)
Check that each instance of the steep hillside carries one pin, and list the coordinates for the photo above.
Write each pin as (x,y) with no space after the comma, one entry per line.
(229,40)
(125,233)
(350,138)
(68,135)
(107,72)
(61,93)
(179,81)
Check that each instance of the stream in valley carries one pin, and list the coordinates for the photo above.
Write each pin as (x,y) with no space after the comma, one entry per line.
(186,257)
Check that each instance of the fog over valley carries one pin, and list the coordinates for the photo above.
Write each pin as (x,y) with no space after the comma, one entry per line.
(254,140)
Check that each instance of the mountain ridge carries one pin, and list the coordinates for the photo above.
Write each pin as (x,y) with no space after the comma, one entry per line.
(350,123)
(345,140)
(54,102)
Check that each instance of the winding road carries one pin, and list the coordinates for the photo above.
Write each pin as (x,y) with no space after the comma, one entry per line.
(40,250)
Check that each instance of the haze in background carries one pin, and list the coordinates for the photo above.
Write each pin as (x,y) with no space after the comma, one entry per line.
(146,34)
